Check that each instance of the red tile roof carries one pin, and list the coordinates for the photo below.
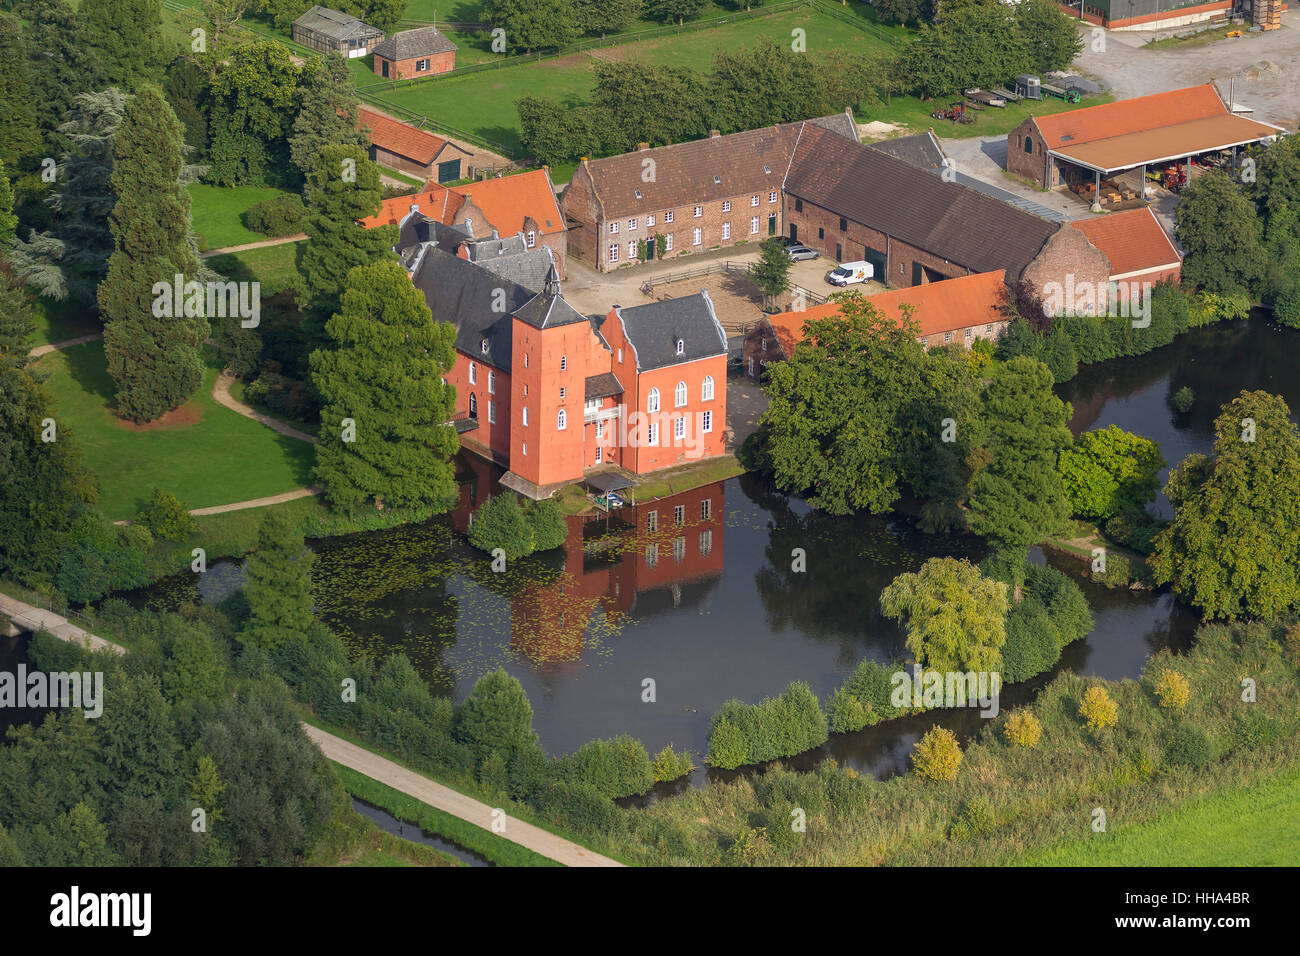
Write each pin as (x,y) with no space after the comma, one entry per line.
(506,203)
(401,138)
(1142,114)
(1133,241)
(947,306)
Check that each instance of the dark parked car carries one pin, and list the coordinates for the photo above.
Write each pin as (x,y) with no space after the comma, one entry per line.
(799,253)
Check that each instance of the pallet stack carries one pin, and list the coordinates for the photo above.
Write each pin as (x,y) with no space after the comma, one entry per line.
(1267,14)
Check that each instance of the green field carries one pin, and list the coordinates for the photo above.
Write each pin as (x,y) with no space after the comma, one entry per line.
(60,321)
(273,266)
(219,213)
(1251,825)
(213,456)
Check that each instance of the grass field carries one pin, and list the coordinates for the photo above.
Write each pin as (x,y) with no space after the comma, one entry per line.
(1245,826)
(273,266)
(218,213)
(59,321)
(217,457)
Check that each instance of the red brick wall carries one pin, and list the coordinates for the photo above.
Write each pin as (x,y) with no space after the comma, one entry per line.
(763,347)
(1035,167)
(393,160)
(554,455)
(668,452)
(579,202)
(401,69)
(1067,253)
(495,439)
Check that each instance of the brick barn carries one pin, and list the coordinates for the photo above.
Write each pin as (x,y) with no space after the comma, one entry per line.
(418,152)
(673,200)
(421,52)
(957,310)
(1136,245)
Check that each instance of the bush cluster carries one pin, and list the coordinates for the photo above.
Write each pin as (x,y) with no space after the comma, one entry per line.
(1051,614)
(864,699)
(166,517)
(1023,729)
(670,765)
(1135,530)
(1189,747)
(518,530)
(743,734)
(1172,689)
(937,754)
(281,216)
(1098,709)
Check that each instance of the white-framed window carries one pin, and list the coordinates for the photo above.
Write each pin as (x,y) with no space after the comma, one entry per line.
(679,515)
(679,430)
(421,66)
(753,226)
(600,430)
(988,329)
(599,454)
(668,216)
(613,252)
(679,395)
(753,200)
(483,346)
(620,355)
(726,205)
(561,393)
(679,548)
(706,389)
(525,386)
(525,366)
(492,382)
(649,220)
(681,346)
(706,422)
(706,541)
(771,197)
(532,238)
(652,521)
(492,413)
(668,242)
(631,224)
(613,229)
(968,334)
(561,420)
(525,416)
(697,236)
(473,373)
(947,337)
(653,436)
(631,249)
(652,401)
(726,230)
(706,509)
(698,211)
(564,363)
(525,448)
(651,555)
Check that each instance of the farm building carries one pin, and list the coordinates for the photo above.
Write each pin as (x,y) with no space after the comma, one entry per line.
(1165,14)
(403,147)
(422,52)
(328,31)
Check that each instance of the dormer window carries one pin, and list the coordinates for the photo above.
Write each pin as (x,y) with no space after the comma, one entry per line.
(483,346)
(638,194)
(681,347)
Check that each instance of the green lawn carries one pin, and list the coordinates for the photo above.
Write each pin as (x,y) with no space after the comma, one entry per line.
(273,266)
(60,321)
(1251,825)
(217,458)
(219,212)
(915,115)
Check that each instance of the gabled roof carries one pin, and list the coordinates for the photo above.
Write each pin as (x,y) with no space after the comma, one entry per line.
(528,268)
(1133,241)
(1137,115)
(408,44)
(601,386)
(402,138)
(547,309)
(332,23)
(703,170)
(459,292)
(937,307)
(654,329)
(950,220)
(921,150)
(506,204)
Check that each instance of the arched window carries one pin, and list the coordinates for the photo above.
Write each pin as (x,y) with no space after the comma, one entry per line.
(561,420)
(473,405)
(681,347)
(492,383)
(652,402)
(679,395)
(1029,145)
(706,389)
(473,374)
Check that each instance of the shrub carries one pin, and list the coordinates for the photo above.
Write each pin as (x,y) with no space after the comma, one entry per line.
(1188,747)
(776,727)
(974,818)
(500,522)
(1172,690)
(1135,529)
(669,765)
(1291,643)
(615,768)
(1064,602)
(1023,729)
(1254,729)
(846,713)
(100,557)
(492,774)
(1286,311)
(1098,710)
(1182,400)
(547,521)
(749,847)
(937,755)
(1118,573)
(728,748)
(1033,643)
(166,517)
(582,807)
(495,717)
(280,216)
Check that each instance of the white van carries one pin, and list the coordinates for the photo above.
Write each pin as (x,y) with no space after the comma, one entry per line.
(848,273)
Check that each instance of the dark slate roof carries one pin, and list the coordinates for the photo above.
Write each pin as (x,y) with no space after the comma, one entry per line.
(332,23)
(528,268)
(947,219)
(459,292)
(842,124)
(653,330)
(548,309)
(602,386)
(481,250)
(922,150)
(407,44)
(1011,199)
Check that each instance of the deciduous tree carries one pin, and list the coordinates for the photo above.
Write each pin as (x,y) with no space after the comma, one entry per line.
(955,617)
(1110,470)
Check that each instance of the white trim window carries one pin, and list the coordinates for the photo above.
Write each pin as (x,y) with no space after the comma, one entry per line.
(421,66)
(483,346)
(650,221)
(771,197)
(561,393)
(668,242)
(726,205)
(679,429)
(631,250)
(726,230)
(525,416)
(561,420)
(706,389)
(651,555)
(532,239)
(681,346)
(631,224)
(668,216)
(753,226)
(698,211)
(613,229)
(473,373)
(753,200)
(600,454)
(706,422)
(492,382)
(492,413)
(679,395)
(652,437)
(652,401)
(613,252)
(564,363)
(697,236)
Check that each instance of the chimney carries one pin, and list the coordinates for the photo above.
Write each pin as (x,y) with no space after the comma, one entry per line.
(642,147)
(495,235)
(462,252)
(714,134)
